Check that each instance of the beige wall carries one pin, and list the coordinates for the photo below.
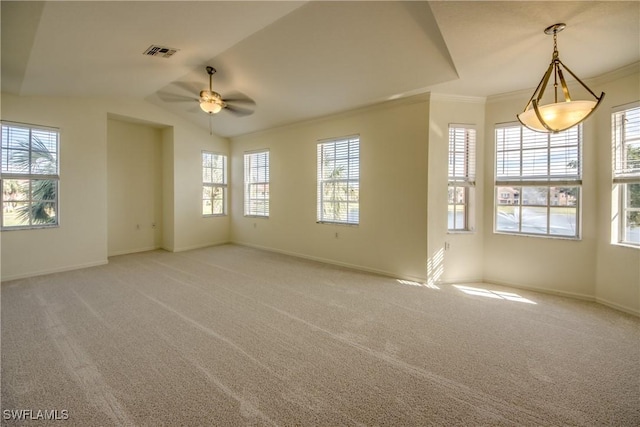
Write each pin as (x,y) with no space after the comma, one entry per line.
(453,257)
(81,239)
(391,236)
(168,200)
(402,229)
(617,267)
(134,187)
(591,267)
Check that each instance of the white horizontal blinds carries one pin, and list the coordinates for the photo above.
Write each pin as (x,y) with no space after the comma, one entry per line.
(462,154)
(29,150)
(626,136)
(256,183)
(214,183)
(538,181)
(525,155)
(30,177)
(626,170)
(339,180)
(462,174)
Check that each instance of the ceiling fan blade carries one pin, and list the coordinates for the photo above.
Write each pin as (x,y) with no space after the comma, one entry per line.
(190,87)
(239,98)
(238,111)
(172,97)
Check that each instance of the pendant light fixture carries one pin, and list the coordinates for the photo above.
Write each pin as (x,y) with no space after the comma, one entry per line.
(559,115)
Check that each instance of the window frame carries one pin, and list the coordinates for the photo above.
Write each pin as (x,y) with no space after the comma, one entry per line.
(622,175)
(352,181)
(30,176)
(261,167)
(465,179)
(214,184)
(552,182)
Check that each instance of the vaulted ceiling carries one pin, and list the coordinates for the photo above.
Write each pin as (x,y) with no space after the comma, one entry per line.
(300,60)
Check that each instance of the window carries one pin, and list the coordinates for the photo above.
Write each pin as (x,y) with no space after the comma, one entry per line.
(626,172)
(538,181)
(462,176)
(256,183)
(339,180)
(29,176)
(214,184)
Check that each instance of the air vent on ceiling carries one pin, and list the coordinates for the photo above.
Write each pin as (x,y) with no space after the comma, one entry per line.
(160,51)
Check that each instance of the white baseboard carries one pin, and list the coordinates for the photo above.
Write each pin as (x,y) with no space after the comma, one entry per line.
(204,245)
(619,307)
(334,262)
(574,295)
(54,270)
(134,251)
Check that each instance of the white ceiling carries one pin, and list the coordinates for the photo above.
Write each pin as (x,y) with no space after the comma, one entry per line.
(299,60)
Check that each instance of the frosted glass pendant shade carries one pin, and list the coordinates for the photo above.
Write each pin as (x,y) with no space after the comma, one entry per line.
(557,117)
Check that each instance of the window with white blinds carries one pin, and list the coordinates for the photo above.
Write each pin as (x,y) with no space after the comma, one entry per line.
(538,181)
(462,176)
(214,184)
(29,176)
(338,190)
(256,183)
(626,171)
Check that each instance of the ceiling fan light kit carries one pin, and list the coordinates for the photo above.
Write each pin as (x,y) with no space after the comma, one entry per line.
(559,115)
(211,102)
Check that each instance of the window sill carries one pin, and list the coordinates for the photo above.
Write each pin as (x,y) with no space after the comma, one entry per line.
(36,227)
(461,231)
(539,236)
(347,224)
(626,245)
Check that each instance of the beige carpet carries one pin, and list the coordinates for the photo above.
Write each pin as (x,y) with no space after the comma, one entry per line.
(230,335)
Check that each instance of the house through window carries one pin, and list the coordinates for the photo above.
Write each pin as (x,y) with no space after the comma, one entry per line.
(29,175)
(538,181)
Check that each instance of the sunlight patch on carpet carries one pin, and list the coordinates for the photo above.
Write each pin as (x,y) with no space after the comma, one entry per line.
(509,296)
(412,283)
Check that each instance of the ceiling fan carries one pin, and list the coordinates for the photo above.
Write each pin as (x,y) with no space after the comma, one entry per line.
(211,102)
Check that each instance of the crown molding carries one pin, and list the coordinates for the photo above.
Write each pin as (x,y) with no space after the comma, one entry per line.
(617,74)
(422,97)
(610,76)
(458,98)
